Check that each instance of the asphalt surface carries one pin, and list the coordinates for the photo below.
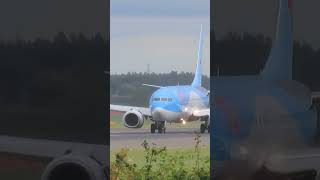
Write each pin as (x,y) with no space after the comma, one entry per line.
(173,138)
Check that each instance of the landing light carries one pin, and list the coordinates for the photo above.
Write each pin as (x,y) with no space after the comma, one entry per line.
(183,122)
(186,109)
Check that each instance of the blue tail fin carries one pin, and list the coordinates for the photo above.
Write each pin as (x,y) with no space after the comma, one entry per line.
(279,63)
(198,75)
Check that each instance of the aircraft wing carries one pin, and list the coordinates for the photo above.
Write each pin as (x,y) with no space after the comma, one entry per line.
(294,160)
(45,148)
(201,112)
(92,157)
(145,111)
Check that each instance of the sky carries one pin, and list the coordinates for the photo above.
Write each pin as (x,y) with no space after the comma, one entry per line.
(161,33)
(164,27)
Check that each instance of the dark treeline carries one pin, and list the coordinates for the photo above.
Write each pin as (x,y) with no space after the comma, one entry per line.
(54,89)
(127,88)
(246,55)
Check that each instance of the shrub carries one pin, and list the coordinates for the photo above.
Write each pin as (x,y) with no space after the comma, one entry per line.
(159,164)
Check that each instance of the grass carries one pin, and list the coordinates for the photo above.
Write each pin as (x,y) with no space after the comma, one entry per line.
(152,162)
(137,155)
(155,163)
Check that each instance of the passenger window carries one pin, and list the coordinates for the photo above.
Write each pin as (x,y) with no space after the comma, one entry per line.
(169,99)
(156,99)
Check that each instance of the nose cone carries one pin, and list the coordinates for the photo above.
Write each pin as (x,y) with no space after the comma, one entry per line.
(160,114)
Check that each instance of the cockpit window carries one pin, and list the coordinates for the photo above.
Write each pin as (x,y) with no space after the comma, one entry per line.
(164,99)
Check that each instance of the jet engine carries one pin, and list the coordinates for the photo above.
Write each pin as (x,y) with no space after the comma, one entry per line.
(72,166)
(133,119)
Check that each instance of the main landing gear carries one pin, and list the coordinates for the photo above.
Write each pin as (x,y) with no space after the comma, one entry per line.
(160,126)
(205,126)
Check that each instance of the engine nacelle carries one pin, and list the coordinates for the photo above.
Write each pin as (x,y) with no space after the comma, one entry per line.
(133,119)
(71,166)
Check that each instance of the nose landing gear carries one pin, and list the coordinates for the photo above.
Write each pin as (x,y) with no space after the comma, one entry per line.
(153,128)
(160,126)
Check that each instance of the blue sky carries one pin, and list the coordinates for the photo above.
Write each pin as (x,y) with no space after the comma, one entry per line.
(161,33)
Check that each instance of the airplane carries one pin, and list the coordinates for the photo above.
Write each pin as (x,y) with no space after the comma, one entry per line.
(63,159)
(172,104)
(268,121)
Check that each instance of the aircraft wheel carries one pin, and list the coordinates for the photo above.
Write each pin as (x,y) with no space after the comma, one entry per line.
(202,128)
(153,128)
(159,129)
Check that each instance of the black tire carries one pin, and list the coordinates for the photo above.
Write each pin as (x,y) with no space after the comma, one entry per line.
(202,128)
(159,129)
(153,128)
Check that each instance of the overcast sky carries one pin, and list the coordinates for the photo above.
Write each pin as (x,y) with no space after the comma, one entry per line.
(162,33)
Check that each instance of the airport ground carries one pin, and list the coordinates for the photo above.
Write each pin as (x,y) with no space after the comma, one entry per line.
(178,139)
(176,136)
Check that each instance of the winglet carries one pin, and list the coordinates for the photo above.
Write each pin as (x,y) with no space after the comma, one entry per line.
(198,75)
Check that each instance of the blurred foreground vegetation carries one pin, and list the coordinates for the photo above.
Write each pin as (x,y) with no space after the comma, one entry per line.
(158,164)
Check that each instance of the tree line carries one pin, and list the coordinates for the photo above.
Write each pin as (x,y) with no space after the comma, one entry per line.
(55,88)
(246,54)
